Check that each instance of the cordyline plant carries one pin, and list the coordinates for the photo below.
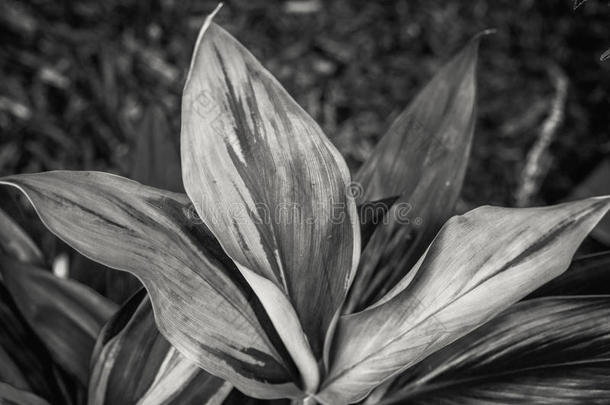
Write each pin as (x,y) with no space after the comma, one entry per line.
(270,275)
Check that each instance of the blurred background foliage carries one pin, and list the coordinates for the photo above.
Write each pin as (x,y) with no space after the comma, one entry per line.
(81,80)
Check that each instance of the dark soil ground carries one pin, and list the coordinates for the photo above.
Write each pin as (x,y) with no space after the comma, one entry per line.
(78,76)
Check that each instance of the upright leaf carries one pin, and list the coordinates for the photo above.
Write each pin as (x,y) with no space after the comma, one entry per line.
(202,304)
(154,160)
(422,158)
(543,351)
(479,264)
(272,189)
(134,364)
(66,315)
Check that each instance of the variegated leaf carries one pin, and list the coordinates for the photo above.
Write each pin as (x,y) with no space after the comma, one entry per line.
(543,351)
(422,158)
(66,315)
(10,395)
(134,364)
(272,189)
(202,304)
(479,264)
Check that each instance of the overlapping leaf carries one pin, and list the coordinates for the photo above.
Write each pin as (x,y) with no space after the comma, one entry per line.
(154,160)
(479,264)
(134,364)
(422,158)
(202,304)
(66,315)
(272,188)
(543,351)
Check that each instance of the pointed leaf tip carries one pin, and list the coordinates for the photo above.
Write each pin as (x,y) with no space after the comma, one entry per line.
(479,264)
(196,294)
(268,183)
(422,158)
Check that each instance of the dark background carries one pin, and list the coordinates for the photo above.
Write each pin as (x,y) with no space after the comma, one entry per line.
(79,76)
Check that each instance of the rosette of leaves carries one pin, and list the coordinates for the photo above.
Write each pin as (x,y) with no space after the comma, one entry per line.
(269,276)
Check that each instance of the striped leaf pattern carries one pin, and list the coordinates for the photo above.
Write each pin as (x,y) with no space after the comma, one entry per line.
(202,304)
(545,351)
(134,364)
(273,190)
(478,265)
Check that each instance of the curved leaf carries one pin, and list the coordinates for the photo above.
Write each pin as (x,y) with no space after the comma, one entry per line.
(272,189)
(201,303)
(66,315)
(153,160)
(422,158)
(134,364)
(479,264)
(543,351)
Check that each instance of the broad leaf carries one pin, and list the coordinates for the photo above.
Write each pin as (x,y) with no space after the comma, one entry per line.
(202,304)
(13,396)
(154,160)
(272,189)
(134,364)
(543,351)
(479,264)
(422,158)
(16,243)
(66,315)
